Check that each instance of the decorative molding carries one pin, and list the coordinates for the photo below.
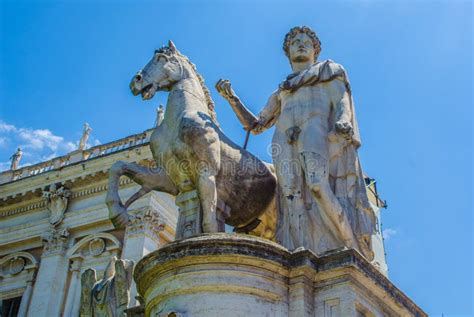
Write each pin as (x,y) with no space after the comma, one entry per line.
(22,209)
(55,241)
(57,198)
(96,246)
(16,265)
(74,194)
(17,262)
(110,243)
(146,221)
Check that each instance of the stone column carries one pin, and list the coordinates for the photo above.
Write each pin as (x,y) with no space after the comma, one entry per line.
(141,238)
(74,290)
(50,283)
(25,298)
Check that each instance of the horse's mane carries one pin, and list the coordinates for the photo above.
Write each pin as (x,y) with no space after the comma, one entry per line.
(210,103)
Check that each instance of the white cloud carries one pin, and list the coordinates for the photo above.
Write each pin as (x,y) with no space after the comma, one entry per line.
(4,166)
(6,127)
(37,144)
(388,233)
(3,141)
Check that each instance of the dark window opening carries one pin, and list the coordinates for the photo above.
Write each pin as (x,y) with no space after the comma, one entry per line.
(10,307)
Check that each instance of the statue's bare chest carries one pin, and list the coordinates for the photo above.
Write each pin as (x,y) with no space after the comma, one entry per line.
(305,104)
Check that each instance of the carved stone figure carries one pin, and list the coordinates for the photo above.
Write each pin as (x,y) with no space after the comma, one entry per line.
(55,241)
(192,152)
(323,201)
(15,159)
(160,115)
(85,136)
(108,297)
(56,202)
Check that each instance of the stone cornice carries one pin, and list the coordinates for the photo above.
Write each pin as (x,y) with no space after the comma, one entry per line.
(81,193)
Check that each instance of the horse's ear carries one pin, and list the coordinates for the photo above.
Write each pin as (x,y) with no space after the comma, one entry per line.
(172,46)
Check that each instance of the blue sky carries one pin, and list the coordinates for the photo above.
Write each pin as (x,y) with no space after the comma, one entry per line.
(410,65)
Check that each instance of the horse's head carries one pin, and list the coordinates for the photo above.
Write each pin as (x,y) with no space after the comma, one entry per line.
(161,72)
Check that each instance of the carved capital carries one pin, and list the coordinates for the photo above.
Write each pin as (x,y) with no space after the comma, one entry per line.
(55,241)
(75,266)
(147,222)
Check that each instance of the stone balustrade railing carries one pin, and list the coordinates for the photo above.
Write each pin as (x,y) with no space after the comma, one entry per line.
(76,156)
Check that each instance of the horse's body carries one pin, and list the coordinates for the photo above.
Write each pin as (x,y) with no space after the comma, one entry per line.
(192,152)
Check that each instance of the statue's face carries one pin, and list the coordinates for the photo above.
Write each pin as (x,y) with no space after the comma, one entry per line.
(301,49)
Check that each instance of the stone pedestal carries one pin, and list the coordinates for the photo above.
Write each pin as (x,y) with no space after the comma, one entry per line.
(189,219)
(240,275)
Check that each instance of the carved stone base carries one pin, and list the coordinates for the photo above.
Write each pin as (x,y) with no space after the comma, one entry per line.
(239,275)
(189,219)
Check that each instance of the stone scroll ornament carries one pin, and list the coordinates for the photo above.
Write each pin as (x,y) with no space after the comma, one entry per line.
(57,198)
(109,296)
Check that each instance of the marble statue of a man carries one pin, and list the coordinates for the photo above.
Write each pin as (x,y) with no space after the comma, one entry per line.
(323,202)
(85,136)
(15,159)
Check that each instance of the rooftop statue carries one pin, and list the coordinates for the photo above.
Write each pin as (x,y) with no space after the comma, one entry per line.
(15,159)
(192,152)
(85,136)
(323,202)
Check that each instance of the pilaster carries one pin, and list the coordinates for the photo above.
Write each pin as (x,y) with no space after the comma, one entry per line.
(52,275)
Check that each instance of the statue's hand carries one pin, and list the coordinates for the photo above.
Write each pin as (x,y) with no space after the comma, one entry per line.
(345,129)
(224,88)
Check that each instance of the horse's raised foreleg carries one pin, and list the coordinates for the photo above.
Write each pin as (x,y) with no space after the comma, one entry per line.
(149,178)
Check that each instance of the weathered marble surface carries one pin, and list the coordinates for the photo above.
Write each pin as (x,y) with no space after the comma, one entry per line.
(193,154)
(323,202)
(57,199)
(85,137)
(108,297)
(15,159)
(240,275)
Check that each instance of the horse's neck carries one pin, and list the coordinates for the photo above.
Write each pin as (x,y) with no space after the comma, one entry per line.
(186,96)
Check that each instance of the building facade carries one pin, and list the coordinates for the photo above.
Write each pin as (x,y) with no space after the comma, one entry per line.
(54,225)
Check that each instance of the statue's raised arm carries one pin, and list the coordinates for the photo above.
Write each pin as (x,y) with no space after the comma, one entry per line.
(245,116)
(256,124)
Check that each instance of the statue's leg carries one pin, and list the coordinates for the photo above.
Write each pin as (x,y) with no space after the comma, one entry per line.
(317,177)
(208,196)
(288,170)
(149,178)
(204,141)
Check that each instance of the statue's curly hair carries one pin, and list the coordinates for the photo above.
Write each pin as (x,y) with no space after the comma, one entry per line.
(306,30)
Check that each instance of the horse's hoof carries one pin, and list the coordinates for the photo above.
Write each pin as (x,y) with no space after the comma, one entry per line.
(121,220)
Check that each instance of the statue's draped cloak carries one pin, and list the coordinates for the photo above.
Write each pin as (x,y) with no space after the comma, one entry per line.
(345,173)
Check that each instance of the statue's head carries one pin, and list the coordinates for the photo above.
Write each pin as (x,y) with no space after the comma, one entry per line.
(160,73)
(301,44)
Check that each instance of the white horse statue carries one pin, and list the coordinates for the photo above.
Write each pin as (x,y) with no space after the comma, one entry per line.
(192,153)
